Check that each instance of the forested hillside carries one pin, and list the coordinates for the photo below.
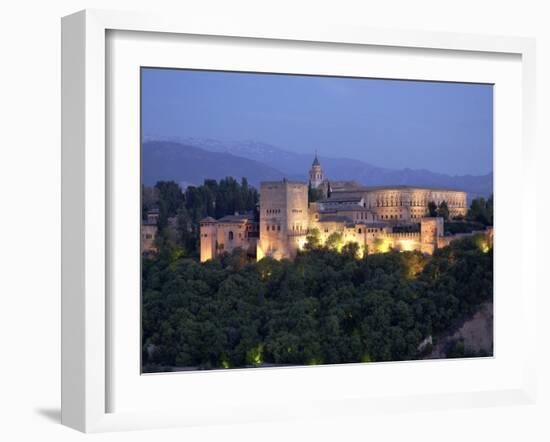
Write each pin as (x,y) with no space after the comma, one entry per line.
(325,307)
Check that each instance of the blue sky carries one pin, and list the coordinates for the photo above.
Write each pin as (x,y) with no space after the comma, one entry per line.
(442,127)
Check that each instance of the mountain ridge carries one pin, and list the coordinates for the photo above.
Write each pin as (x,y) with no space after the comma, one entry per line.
(262,161)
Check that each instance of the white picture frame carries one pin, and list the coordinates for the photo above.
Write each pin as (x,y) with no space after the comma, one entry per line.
(86,357)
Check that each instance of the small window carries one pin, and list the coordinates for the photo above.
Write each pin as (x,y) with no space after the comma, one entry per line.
(230,235)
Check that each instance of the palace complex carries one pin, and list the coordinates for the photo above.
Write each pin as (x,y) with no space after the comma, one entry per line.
(376,218)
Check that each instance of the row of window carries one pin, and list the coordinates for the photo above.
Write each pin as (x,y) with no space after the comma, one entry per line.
(415,203)
(360,230)
(230,235)
(391,217)
(273,228)
(276,211)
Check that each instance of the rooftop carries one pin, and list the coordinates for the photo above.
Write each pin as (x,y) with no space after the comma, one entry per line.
(284,180)
(348,207)
(395,187)
(335,219)
(236,218)
(341,198)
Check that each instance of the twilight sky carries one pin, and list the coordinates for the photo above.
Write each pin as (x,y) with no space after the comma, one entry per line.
(442,127)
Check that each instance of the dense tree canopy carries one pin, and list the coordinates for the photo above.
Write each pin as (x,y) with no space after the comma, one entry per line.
(327,306)
(481,211)
(432,208)
(443,210)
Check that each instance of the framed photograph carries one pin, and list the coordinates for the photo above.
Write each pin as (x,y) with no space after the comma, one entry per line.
(267,222)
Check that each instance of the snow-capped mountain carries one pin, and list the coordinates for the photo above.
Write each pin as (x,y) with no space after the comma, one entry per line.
(274,161)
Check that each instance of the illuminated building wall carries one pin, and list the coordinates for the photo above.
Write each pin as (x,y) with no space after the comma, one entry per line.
(401,204)
(367,216)
(227,234)
(284,218)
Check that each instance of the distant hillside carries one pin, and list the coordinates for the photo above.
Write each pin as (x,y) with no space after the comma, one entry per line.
(296,166)
(165,160)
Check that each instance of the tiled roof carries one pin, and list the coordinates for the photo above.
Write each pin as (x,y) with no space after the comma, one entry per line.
(341,198)
(349,208)
(236,218)
(396,187)
(335,218)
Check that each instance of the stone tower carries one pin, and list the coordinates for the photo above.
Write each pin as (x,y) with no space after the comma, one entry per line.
(283,218)
(316,173)
(430,230)
(208,238)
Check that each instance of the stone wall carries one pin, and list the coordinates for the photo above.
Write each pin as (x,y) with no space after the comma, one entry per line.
(284,218)
(226,235)
(208,240)
(405,204)
(148,237)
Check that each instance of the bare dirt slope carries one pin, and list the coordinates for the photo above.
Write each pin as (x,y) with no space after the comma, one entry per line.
(476,333)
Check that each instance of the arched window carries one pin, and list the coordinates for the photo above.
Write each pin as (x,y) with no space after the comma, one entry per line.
(230,235)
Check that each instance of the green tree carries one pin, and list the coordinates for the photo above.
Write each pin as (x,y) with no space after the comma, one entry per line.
(481,211)
(443,210)
(314,195)
(170,198)
(323,307)
(432,209)
(335,241)
(351,249)
(313,239)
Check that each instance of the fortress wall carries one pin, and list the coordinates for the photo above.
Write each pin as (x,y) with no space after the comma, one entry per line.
(313,213)
(239,240)
(403,205)
(297,207)
(148,236)
(272,218)
(446,240)
(208,241)
(297,216)
(328,228)
(283,212)
(404,235)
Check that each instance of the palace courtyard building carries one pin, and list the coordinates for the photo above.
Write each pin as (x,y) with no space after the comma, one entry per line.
(376,218)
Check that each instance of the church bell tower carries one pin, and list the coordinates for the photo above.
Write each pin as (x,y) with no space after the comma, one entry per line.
(316,173)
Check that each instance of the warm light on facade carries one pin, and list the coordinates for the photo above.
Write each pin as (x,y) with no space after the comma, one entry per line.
(408,245)
(382,245)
